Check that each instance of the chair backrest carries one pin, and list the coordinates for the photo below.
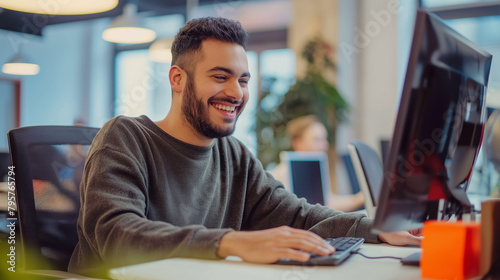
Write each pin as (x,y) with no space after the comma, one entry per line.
(351,173)
(385,146)
(48,164)
(4,164)
(369,172)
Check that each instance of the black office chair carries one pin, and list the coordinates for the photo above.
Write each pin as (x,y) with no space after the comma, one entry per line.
(48,164)
(351,173)
(385,146)
(369,172)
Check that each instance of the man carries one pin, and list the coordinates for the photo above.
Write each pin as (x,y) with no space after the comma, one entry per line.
(182,187)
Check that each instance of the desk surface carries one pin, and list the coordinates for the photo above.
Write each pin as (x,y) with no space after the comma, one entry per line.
(356,267)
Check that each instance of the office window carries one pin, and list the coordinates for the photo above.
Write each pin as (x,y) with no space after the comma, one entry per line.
(142,86)
(279,64)
(484,32)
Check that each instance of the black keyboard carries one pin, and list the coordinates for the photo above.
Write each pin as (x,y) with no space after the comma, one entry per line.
(344,246)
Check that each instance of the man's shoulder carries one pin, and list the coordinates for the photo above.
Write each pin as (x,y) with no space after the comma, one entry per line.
(125,122)
(123,125)
(121,130)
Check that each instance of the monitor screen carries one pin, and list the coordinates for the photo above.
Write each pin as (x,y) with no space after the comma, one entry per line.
(438,128)
(309,175)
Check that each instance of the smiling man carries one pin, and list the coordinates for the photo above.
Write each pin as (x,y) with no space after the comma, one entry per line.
(210,90)
(183,187)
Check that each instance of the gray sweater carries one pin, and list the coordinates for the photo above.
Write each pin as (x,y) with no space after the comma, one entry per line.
(147,196)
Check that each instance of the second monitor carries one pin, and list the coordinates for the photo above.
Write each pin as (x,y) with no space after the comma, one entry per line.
(309,175)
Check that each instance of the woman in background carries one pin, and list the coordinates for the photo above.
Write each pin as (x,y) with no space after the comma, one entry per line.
(308,134)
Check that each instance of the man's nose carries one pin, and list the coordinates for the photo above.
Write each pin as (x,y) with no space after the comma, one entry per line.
(234,90)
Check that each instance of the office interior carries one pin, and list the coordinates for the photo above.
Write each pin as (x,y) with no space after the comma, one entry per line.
(84,78)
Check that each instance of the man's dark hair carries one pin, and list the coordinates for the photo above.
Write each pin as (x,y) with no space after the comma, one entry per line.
(188,41)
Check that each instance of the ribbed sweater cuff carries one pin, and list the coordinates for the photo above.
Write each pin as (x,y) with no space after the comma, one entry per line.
(208,243)
(364,230)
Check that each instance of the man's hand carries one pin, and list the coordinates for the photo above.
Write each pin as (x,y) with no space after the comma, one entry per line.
(268,246)
(401,238)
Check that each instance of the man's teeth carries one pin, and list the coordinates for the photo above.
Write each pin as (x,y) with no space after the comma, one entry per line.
(225,108)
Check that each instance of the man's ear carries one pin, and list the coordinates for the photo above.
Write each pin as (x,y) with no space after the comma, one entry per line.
(177,78)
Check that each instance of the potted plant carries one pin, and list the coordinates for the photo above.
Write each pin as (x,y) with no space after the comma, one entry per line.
(311,94)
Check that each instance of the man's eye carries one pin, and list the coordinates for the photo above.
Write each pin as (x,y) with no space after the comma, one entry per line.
(244,81)
(221,78)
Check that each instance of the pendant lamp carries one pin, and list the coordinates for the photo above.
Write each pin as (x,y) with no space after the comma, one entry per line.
(18,65)
(127,28)
(73,7)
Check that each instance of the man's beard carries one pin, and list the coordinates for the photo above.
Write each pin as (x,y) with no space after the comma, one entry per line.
(197,115)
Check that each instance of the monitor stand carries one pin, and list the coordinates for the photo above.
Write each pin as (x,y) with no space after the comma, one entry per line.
(413,259)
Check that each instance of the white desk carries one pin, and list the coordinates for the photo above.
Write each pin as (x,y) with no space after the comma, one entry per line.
(356,267)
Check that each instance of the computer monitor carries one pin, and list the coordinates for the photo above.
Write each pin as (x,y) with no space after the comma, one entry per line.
(309,175)
(438,128)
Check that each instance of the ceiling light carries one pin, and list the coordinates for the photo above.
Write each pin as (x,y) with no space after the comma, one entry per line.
(18,65)
(127,28)
(160,51)
(73,7)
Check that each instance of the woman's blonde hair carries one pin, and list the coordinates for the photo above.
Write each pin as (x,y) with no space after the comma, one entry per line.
(296,127)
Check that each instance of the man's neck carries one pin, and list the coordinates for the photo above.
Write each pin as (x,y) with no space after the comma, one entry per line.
(183,131)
